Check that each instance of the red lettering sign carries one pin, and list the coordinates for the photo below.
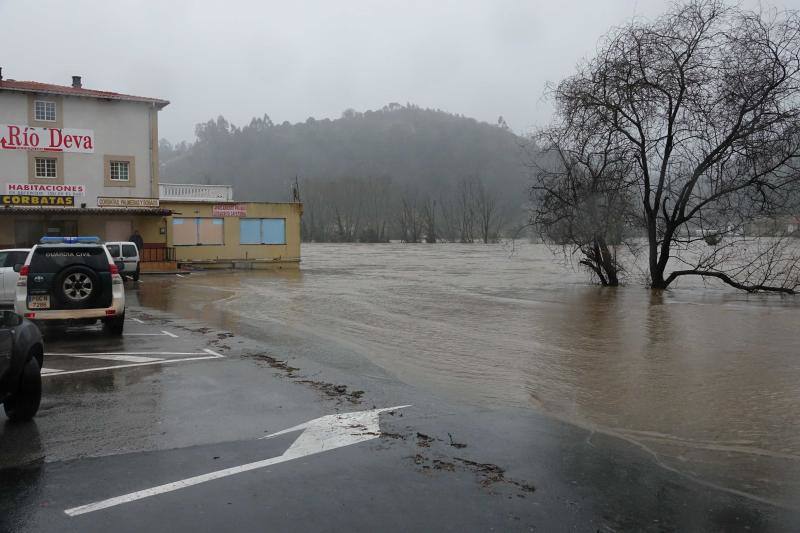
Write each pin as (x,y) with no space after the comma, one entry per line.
(17,137)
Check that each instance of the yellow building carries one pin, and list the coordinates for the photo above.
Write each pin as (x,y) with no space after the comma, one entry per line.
(233,235)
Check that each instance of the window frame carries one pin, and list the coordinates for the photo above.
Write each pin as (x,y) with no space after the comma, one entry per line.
(261,231)
(195,221)
(46,106)
(47,160)
(119,164)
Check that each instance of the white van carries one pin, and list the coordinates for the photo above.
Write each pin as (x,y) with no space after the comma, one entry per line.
(127,253)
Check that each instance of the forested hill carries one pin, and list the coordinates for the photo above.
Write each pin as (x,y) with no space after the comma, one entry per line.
(423,149)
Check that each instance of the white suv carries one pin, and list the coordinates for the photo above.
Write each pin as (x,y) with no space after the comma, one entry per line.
(71,280)
(10,263)
(127,253)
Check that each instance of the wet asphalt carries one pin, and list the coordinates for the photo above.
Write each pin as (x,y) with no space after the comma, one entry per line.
(174,398)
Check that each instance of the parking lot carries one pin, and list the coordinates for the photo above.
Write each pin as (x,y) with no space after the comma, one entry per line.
(179,426)
(143,345)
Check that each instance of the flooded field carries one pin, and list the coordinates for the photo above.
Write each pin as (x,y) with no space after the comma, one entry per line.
(704,377)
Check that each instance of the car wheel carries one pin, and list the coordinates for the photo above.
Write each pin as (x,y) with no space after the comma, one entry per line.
(23,404)
(114,326)
(76,286)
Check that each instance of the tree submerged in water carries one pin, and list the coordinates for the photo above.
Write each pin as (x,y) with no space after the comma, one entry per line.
(679,128)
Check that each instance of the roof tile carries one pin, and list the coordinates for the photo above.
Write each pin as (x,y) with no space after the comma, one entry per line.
(47,88)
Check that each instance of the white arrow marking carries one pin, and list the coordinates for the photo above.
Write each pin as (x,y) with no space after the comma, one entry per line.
(321,435)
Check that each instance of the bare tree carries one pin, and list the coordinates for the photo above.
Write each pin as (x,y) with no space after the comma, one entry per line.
(465,205)
(429,220)
(488,213)
(582,195)
(409,218)
(705,104)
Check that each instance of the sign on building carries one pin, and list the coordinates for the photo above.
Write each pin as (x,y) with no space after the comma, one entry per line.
(20,137)
(39,189)
(229,210)
(22,199)
(105,201)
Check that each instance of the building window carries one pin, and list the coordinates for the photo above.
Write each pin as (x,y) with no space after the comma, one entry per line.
(120,171)
(46,167)
(262,231)
(44,110)
(198,231)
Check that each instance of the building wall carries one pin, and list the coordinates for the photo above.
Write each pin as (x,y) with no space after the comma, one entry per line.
(120,128)
(232,250)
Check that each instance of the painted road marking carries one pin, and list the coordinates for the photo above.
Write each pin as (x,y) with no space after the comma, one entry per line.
(131,353)
(204,356)
(137,320)
(163,333)
(321,435)
(50,371)
(118,357)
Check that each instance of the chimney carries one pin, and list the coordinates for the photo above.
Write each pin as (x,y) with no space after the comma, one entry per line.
(76,82)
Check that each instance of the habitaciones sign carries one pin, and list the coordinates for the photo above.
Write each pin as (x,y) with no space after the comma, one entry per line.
(20,199)
(229,210)
(105,201)
(18,137)
(40,189)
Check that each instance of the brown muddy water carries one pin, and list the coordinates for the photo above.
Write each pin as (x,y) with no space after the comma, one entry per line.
(705,378)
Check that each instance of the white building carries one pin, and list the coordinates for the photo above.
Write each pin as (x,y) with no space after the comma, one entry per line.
(68,153)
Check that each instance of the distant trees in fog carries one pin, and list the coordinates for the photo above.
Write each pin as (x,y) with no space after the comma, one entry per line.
(377,210)
(400,172)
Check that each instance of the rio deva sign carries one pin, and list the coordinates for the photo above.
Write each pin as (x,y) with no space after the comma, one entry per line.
(39,189)
(18,137)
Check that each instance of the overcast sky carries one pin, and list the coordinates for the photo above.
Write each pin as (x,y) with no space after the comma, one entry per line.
(296,59)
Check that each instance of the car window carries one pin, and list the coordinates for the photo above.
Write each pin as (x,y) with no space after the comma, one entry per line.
(52,259)
(128,250)
(3,258)
(113,249)
(14,258)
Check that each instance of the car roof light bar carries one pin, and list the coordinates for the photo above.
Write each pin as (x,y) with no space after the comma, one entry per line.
(70,240)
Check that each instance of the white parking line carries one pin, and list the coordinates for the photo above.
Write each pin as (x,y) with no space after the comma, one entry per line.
(119,357)
(158,362)
(131,353)
(50,371)
(137,320)
(163,333)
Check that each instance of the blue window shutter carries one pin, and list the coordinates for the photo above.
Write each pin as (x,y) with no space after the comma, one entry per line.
(273,231)
(249,231)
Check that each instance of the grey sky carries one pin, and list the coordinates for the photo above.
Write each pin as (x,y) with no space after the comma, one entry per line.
(293,60)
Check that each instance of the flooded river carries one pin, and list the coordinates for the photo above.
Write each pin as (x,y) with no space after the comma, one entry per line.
(704,377)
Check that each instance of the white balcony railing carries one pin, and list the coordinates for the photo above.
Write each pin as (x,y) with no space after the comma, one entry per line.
(195,193)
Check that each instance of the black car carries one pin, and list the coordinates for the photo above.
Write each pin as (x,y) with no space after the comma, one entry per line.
(21,358)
